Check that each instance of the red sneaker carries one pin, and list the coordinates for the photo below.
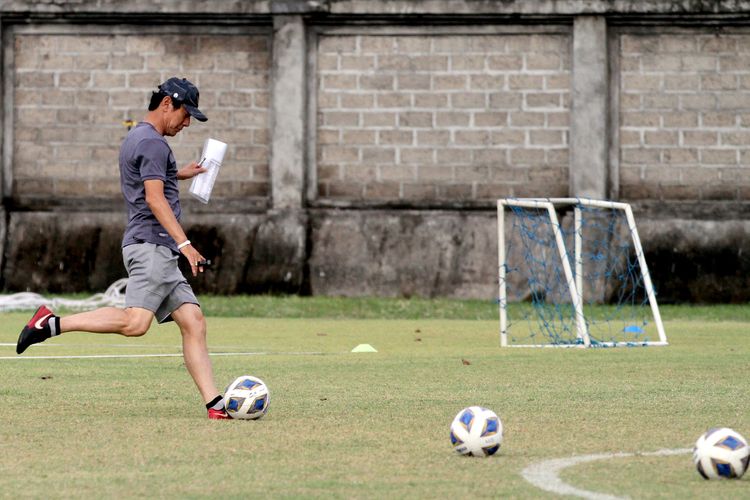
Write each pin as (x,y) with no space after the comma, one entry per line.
(218,414)
(36,330)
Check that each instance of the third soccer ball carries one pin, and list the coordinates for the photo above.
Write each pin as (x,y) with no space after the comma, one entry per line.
(477,432)
(721,453)
(247,398)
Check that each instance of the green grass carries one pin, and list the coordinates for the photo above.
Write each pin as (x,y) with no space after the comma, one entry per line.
(345,425)
(266,306)
(293,306)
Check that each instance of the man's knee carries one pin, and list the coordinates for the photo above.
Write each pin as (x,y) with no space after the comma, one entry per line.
(196,326)
(136,329)
(138,323)
(190,319)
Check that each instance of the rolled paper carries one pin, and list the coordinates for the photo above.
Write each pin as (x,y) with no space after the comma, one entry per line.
(211,159)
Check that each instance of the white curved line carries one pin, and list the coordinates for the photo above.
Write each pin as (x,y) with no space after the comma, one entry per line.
(545,475)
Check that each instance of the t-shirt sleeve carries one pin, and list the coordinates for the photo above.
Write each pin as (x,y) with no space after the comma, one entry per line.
(153,157)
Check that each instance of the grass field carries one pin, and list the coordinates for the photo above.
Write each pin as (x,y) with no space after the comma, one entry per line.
(366,425)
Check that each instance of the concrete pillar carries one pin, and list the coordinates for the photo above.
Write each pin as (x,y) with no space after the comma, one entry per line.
(589,124)
(5,149)
(288,103)
(279,249)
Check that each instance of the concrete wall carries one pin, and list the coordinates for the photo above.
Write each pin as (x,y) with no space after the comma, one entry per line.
(369,139)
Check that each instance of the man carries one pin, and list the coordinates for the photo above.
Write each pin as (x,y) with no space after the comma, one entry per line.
(152,244)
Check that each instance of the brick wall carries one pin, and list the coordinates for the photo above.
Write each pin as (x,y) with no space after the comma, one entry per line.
(72,93)
(684,116)
(413,110)
(451,118)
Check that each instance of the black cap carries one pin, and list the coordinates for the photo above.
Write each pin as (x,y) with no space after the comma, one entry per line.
(183,91)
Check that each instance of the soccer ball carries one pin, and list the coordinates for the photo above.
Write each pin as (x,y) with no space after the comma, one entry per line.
(247,398)
(721,453)
(476,432)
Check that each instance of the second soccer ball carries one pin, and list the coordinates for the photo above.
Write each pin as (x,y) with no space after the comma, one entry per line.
(477,432)
(721,453)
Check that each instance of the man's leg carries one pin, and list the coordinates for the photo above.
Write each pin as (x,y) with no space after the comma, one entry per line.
(192,323)
(131,322)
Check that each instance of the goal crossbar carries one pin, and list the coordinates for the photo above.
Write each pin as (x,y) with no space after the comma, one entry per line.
(573,277)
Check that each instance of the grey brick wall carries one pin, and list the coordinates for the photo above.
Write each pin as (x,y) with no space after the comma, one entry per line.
(443,117)
(402,112)
(684,116)
(72,93)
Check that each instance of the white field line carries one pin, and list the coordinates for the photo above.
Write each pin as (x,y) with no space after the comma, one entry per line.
(169,355)
(129,345)
(545,475)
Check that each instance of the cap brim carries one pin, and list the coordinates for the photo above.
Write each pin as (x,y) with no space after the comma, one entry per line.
(196,113)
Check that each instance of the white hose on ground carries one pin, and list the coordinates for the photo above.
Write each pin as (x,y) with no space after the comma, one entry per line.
(114,296)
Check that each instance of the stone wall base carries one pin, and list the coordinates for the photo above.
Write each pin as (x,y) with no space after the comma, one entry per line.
(403,253)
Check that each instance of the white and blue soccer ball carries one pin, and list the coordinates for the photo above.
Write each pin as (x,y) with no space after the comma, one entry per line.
(721,453)
(247,398)
(476,432)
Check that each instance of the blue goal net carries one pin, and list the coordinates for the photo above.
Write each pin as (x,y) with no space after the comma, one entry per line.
(572,273)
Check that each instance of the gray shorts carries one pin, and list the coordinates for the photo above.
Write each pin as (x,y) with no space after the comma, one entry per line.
(154,280)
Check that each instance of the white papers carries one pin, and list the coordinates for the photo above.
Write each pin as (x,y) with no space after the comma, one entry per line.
(213,155)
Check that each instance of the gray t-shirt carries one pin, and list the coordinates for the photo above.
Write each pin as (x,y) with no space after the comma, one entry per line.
(145,155)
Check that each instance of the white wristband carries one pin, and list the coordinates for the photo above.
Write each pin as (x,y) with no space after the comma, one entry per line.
(183,244)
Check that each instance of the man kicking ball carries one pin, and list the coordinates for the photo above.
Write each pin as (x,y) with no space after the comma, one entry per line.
(152,245)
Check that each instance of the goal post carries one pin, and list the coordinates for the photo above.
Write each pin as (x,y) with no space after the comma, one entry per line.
(573,283)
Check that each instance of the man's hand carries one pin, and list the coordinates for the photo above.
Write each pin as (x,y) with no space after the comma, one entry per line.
(190,171)
(193,257)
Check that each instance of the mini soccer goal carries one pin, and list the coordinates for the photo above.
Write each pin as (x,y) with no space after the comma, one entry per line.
(572,274)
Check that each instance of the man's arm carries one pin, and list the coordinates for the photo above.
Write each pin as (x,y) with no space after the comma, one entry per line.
(159,206)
